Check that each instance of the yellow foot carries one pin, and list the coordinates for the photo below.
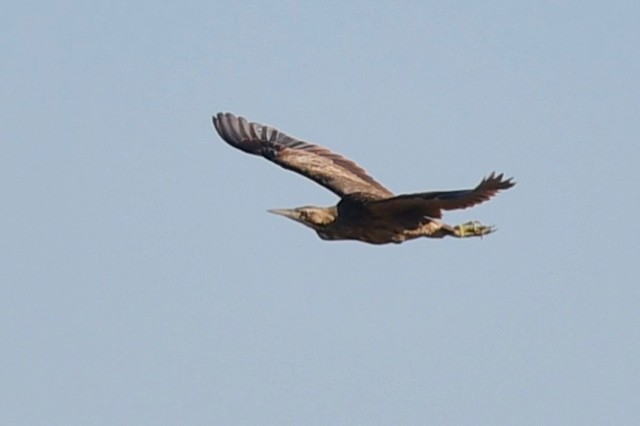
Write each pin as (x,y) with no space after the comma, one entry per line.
(473,229)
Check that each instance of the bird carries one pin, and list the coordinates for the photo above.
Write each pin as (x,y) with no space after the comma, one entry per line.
(367,211)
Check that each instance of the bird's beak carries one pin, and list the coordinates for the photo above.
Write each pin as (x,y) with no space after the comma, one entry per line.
(290,213)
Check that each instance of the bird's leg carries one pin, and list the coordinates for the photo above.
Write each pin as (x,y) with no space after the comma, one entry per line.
(471,229)
(437,229)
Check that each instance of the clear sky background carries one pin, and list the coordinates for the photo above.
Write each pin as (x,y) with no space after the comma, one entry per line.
(143,282)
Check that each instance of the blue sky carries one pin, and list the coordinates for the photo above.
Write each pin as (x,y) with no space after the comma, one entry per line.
(143,282)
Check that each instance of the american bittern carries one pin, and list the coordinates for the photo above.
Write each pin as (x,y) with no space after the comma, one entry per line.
(367,211)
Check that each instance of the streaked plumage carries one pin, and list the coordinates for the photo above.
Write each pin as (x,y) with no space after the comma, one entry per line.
(367,210)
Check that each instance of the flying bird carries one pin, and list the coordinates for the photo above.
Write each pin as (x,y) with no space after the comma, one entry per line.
(367,211)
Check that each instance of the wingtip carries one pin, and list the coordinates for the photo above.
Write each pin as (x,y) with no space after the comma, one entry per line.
(221,116)
(505,183)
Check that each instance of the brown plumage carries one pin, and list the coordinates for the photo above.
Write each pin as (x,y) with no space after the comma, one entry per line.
(367,210)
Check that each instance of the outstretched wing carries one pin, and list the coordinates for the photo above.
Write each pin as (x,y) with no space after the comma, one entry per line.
(337,173)
(414,207)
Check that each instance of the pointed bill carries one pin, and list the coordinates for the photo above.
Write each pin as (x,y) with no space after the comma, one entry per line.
(290,213)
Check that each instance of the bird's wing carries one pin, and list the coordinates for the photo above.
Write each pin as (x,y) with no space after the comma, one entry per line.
(333,171)
(414,207)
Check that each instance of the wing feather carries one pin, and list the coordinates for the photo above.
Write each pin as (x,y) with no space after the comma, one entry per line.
(414,207)
(331,170)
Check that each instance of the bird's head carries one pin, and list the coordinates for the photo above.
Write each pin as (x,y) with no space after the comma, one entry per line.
(311,216)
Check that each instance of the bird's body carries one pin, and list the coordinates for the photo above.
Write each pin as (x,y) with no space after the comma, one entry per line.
(367,211)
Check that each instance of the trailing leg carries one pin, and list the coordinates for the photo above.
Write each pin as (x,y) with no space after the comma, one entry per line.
(472,229)
(437,229)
